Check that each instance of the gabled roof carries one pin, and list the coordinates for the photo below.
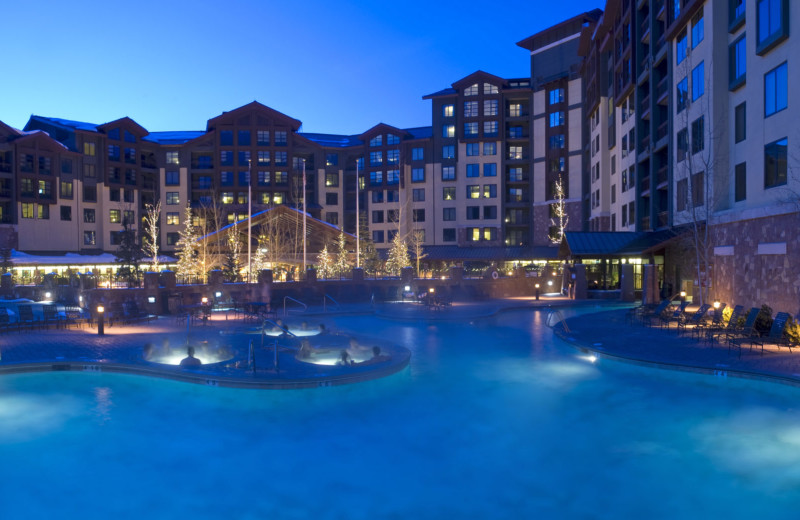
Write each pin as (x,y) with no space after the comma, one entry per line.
(255,106)
(537,40)
(9,130)
(421,132)
(380,128)
(449,91)
(42,137)
(139,130)
(479,76)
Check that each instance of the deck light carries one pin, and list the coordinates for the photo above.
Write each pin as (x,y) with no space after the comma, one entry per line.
(716,304)
(550,282)
(218,294)
(204,299)
(683,294)
(431,290)
(101,326)
(47,295)
(407,288)
(151,299)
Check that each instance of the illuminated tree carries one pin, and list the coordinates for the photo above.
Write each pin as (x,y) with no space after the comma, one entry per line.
(150,236)
(188,248)
(560,217)
(398,255)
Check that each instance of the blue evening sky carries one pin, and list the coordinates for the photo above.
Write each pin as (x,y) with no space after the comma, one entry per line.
(337,66)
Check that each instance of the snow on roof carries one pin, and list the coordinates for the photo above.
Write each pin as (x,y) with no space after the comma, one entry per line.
(174,137)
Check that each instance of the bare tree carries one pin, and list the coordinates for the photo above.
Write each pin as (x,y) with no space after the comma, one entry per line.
(150,236)
(416,242)
(560,217)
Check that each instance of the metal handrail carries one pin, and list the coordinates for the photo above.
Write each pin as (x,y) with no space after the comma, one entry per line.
(305,307)
(561,319)
(284,329)
(325,299)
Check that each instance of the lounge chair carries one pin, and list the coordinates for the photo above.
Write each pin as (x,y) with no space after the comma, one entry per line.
(743,334)
(705,327)
(648,315)
(695,319)
(26,317)
(51,316)
(677,315)
(733,323)
(775,335)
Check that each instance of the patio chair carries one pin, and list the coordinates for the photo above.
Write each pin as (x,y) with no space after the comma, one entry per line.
(775,335)
(5,323)
(677,315)
(705,327)
(695,319)
(648,315)
(26,317)
(733,323)
(743,334)
(51,316)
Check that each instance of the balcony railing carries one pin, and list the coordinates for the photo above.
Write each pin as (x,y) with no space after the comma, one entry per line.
(661,175)
(645,184)
(662,130)
(645,223)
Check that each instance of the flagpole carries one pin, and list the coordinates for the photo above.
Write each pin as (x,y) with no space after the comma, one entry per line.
(304,217)
(249,215)
(358,224)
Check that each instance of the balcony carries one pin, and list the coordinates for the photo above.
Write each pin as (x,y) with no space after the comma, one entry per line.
(663,219)
(644,185)
(645,224)
(645,28)
(661,131)
(644,145)
(661,176)
(644,108)
(517,133)
(661,92)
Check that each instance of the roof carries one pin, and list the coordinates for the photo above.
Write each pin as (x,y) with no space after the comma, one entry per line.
(332,140)
(421,132)
(176,137)
(611,243)
(67,123)
(489,253)
(449,91)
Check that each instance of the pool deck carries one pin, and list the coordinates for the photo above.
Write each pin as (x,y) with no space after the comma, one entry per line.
(605,333)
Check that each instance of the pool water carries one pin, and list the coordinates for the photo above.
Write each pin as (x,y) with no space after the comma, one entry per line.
(492,419)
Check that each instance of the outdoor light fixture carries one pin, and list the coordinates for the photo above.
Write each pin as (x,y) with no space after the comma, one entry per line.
(101,326)
(101,309)
(549,282)
(683,294)
(716,304)
(537,286)
(151,299)
(430,290)
(218,294)
(80,298)
(204,299)
(407,288)
(47,295)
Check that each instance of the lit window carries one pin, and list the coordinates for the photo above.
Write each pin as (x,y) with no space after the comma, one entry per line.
(448,130)
(114,216)
(226,197)
(331,159)
(471,129)
(172,218)
(472,90)
(473,191)
(470,109)
(488,88)
(489,148)
(263,158)
(173,158)
(89,238)
(89,149)
(172,198)
(448,110)
(449,193)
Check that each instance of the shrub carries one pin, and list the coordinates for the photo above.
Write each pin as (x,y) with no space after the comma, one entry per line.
(792,331)
(764,319)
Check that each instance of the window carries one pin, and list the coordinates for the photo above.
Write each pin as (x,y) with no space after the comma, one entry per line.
(735,14)
(114,216)
(556,95)
(449,193)
(775,167)
(130,155)
(489,148)
(681,47)
(377,217)
(473,212)
(392,156)
(90,193)
(89,149)
(448,130)
(172,179)
(489,191)
(244,178)
(473,191)
(262,137)
(173,158)
(448,235)
(489,212)
(515,175)
(331,199)
(66,165)
(376,141)
(515,110)
(244,158)
(448,214)
(263,158)
(418,195)
(66,213)
(226,138)
(490,107)
(473,170)
(417,154)
(488,88)
(377,237)
(698,81)
(613,193)
(490,170)
(89,238)
(418,215)
(172,218)
(698,189)
(515,152)
(173,238)
(66,190)
(45,190)
(115,238)
(448,152)
(280,138)
(226,158)
(737,63)
(27,210)
(740,177)
(281,159)
(377,196)
(740,123)
(226,197)
(557,142)
(773,24)
(448,110)
(331,180)
(417,174)
(448,173)
(776,85)
(472,90)
(683,145)
(698,136)
(113,152)
(471,129)
(392,139)
(557,165)
(226,178)
(473,234)
(375,158)
(130,177)
(376,178)
(556,119)
(281,178)
(127,195)
(490,128)
(244,138)
(470,109)
(172,198)
(697,28)
(393,215)
(332,218)
(89,171)
(473,149)
(682,196)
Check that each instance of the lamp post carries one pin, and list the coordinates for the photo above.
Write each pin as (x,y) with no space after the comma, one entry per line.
(304,216)
(683,297)
(358,222)
(101,326)
(249,215)
(537,292)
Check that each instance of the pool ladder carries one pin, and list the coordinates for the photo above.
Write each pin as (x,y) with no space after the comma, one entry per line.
(561,319)
(305,307)
(325,299)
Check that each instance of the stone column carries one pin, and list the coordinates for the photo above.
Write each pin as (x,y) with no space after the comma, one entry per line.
(407,275)
(649,284)
(626,292)
(311,275)
(579,284)
(168,279)
(265,285)
(358,274)
(456,274)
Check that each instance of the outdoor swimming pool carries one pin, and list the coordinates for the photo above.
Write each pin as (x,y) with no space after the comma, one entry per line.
(492,419)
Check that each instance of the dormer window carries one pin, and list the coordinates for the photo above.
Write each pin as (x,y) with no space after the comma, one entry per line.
(376,141)
(488,88)
(472,90)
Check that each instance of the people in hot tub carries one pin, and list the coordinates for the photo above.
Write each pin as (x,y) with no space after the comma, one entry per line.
(190,360)
(147,351)
(359,353)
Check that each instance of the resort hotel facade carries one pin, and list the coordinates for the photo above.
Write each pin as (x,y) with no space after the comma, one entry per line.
(651,132)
